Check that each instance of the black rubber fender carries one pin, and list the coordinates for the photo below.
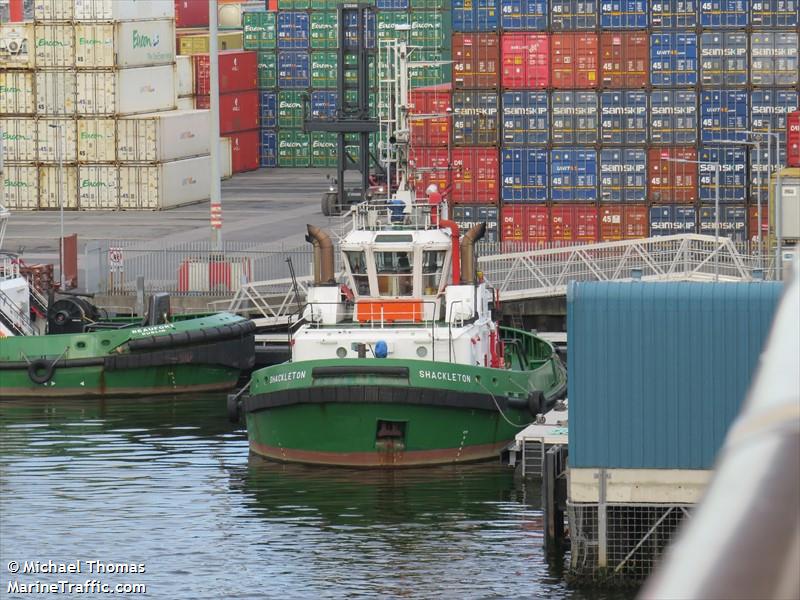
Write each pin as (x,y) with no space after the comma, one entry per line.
(233,408)
(536,402)
(41,370)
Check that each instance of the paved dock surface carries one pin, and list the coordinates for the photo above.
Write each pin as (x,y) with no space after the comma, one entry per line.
(269,207)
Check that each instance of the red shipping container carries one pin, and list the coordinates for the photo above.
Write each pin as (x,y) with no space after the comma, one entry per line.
(432,100)
(238,72)
(574,60)
(753,224)
(670,182)
(526,61)
(476,176)
(793,139)
(571,223)
(431,165)
(635,221)
(237,111)
(476,61)
(624,59)
(610,222)
(525,223)
(244,150)
(191,13)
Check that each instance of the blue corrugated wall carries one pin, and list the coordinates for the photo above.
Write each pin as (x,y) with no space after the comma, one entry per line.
(658,371)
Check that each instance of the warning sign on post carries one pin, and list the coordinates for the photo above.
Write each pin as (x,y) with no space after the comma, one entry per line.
(115,259)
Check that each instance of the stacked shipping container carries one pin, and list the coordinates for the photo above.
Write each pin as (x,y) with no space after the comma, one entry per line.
(93,85)
(590,104)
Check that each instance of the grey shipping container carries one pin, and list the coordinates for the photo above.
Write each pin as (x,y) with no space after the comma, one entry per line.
(774,58)
(623,117)
(475,118)
(574,118)
(673,117)
(658,371)
(723,58)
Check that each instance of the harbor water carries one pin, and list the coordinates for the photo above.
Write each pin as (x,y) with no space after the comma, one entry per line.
(168,485)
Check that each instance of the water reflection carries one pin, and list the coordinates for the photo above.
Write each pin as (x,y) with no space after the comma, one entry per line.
(170,483)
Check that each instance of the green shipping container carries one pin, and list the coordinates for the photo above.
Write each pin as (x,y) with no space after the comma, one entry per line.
(293,148)
(293,5)
(323,149)
(324,4)
(430,29)
(323,70)
(427,72)
(267,69)
(290,109)
(388,20)
(429,5)
(352,95)
(259,30)
(324,30)
(351,78)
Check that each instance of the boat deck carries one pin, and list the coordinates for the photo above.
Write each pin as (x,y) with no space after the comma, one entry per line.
(530,445)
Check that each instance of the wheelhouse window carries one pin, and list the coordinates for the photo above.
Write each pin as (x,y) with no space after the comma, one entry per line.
(432,269)
(357,261)
(395,277)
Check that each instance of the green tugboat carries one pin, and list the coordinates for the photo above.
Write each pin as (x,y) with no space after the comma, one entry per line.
(402,363)
(82,355)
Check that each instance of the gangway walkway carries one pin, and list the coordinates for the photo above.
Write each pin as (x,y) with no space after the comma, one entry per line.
(542,273)
(685,257)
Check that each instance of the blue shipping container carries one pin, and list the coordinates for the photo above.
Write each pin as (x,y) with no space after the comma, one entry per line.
(268,109)
(524,15)
(673,59)
(775,13)
(623,117)
(371,33)
(733,174)
(660,369)
(468,215)
(573,15)
(573,175)
(732,224)
(526,118)
(724,115)
(672,219)
(524,175)
(293,70)
(623,175)
(673,117)
(759,167)
(623,14)
(770,107)
(724,13)
(674,14)
(323,105)
(392,4)
(293,29)
(475,15)
(574,118)
(268,149)
(723,58)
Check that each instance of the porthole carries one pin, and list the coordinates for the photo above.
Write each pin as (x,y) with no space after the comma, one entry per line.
(341,352)
(80,345)
(422,352)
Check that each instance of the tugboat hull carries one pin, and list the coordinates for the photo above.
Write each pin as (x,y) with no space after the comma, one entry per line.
(387,413)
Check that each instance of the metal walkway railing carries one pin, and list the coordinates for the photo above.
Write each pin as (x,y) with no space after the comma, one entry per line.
(686,257)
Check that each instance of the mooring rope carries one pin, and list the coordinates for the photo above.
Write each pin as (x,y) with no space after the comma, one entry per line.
(480,383)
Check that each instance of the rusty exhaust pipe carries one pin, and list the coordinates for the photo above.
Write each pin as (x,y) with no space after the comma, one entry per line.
(323,256)
(469,267)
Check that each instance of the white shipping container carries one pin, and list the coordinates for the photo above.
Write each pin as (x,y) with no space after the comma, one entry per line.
(97,140)
(17,95)
(225,158)
(126,91)
(185,73)
(20,187)
(163,136)
(55,93)
(16,46)
(57,186)
(52,10)
(123,10)
(52,132)
(98,187)
(126,44)
(55,46)
(230,16)
(165,185)
(18,139)
(185,103)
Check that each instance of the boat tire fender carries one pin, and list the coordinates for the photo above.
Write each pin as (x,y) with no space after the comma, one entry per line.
(233,408)
(41,370)
(536,402)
